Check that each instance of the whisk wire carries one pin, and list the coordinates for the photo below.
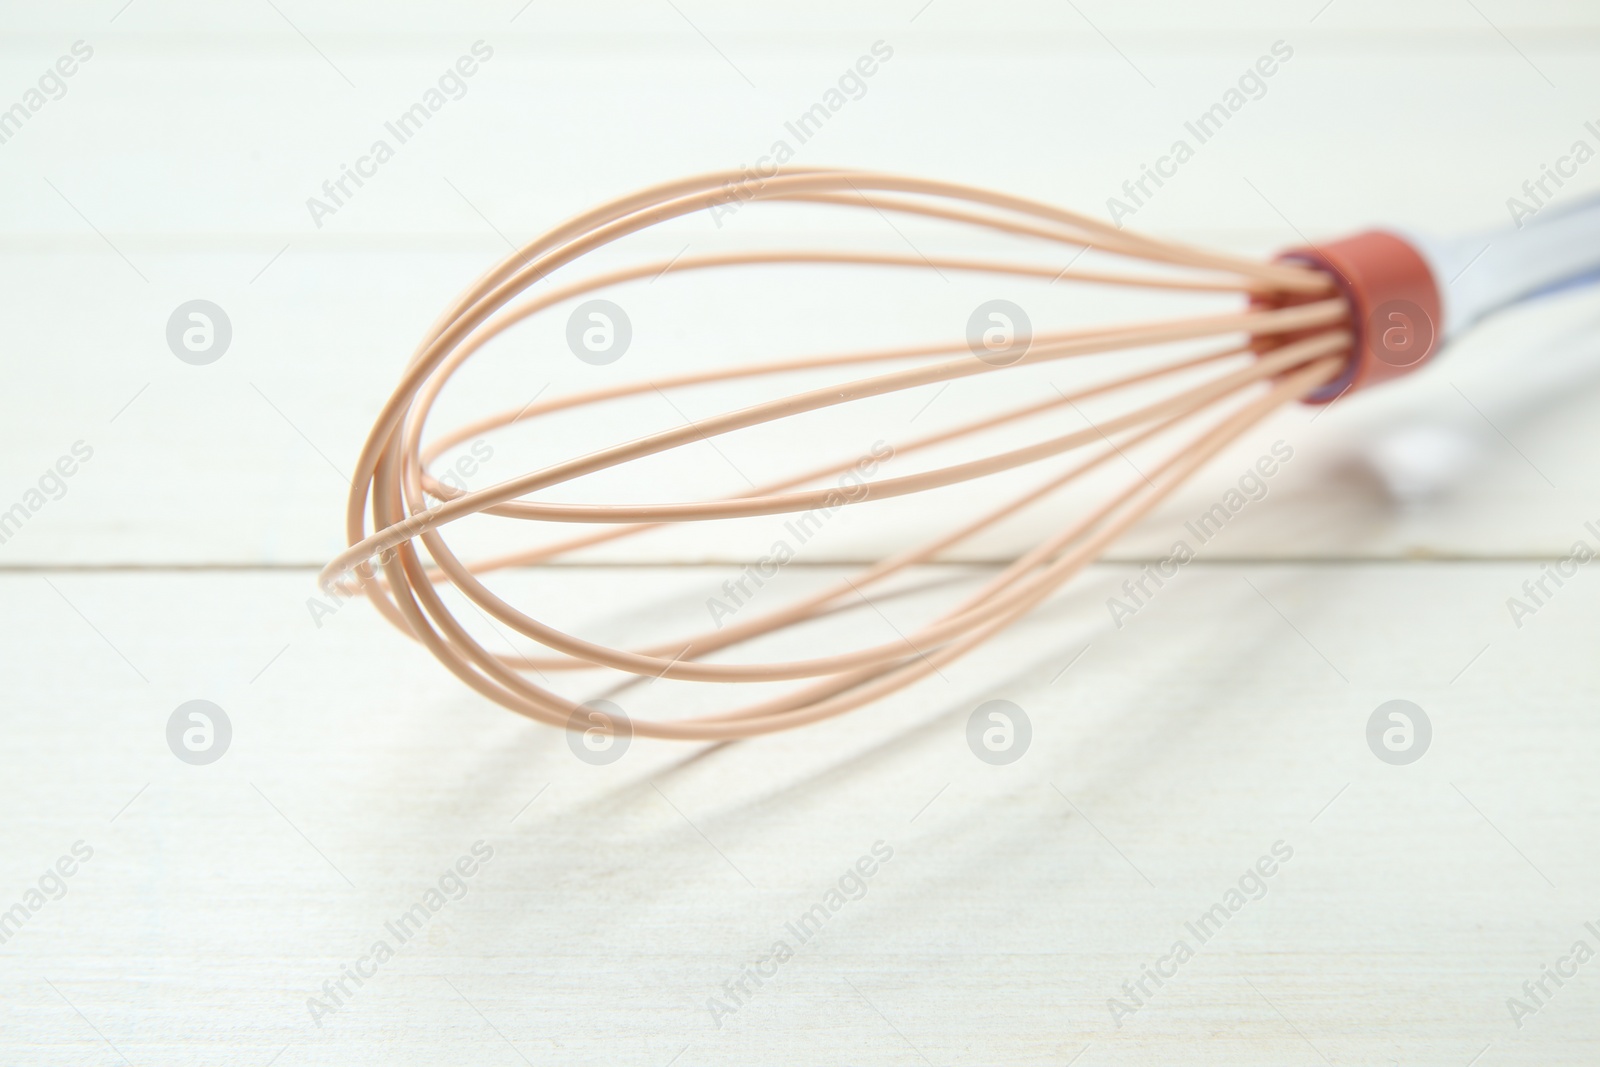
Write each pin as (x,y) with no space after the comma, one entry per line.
(1297,340)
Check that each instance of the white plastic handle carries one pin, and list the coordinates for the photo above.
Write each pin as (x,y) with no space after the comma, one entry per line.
(1482,273)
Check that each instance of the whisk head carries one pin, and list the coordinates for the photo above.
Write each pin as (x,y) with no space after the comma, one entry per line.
(1085,428)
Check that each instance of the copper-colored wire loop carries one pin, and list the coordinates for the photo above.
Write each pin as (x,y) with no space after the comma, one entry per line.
(1199,401)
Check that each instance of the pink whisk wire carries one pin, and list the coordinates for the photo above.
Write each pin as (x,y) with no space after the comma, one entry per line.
(1291,337)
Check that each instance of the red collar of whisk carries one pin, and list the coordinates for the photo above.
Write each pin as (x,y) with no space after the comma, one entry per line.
(1394,307)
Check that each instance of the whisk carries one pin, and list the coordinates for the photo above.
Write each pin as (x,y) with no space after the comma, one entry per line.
(1312,325)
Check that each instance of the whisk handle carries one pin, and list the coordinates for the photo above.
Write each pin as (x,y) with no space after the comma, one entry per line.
(1548,250)
(1408,294)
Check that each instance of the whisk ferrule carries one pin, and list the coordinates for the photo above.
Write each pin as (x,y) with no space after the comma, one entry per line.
(1394,305)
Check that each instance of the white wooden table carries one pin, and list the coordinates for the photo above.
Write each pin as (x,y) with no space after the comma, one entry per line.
(212,910)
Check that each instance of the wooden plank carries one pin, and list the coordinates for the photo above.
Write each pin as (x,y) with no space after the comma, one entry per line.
(1167,760)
